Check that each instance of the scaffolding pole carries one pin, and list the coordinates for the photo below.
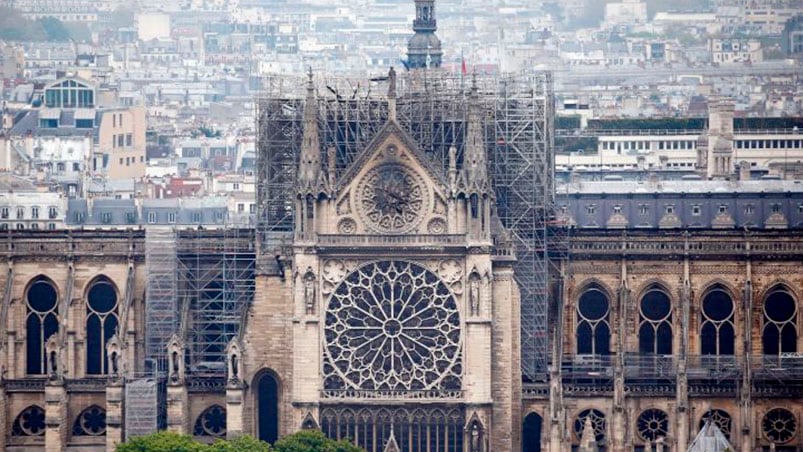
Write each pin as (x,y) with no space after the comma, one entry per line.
(432,107)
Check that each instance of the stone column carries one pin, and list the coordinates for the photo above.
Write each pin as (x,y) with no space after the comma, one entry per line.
(505,425)
(682,389)
(3,413)
(56,423)
(745,393)
(178,412)
(114,414)
(235,395)
(619,425)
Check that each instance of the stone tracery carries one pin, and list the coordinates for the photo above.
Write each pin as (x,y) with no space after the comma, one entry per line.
(392,326)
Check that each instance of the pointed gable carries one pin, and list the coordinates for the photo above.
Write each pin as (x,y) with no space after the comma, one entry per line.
(392,188)
(392,132)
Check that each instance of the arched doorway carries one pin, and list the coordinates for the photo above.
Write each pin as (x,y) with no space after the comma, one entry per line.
(531,433)
(268,407)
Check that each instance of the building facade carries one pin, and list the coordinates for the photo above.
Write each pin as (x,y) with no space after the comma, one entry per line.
(394,309)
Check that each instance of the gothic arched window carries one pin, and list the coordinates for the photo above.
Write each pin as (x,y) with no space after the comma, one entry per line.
(91,422)
(716,326)
(655,324)
(30,422)
(212,422)
(593,329)
(101,324)
(41,322)
(779,333)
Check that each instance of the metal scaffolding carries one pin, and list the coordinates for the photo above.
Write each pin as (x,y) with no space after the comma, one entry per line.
(161,316)
(215,287)
(432,106)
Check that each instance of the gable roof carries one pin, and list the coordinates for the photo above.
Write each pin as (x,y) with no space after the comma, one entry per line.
(391,127)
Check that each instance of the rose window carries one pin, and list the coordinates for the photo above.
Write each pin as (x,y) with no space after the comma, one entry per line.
(392,326)
(653,424)
(779,425)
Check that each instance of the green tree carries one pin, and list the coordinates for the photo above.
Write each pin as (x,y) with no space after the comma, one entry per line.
(54,29)
(241,444)
(162,442)
(313,441)
(15,27)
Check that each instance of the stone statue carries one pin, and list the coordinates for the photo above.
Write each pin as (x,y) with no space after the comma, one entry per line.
(174,375)
(115,367)
(54,366)
(234,367)
(392,82)
(476,438)
(309,291)
(474,295)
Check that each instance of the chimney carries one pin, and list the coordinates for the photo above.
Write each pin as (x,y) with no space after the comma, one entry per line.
(744,170)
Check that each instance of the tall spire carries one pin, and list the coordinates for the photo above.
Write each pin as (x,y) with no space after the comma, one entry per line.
(424,48)
(309,165)
(475,163)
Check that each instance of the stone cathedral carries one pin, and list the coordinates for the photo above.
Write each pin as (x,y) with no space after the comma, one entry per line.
(391,316)
(396,300)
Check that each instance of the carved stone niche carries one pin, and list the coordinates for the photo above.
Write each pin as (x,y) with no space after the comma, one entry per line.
(115,363)
(234,363)
(176,350)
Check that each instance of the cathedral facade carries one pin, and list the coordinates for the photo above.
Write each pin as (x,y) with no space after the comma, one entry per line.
(392,313)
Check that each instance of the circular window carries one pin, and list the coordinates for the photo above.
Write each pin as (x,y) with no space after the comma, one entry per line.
(212,422)
(653,424)
(780,307)
(597,422)
(717,306)
(655,305)
(42,296)
(91,422)
(102,297)
(779,425)
(719,418)
(392,199)
(392,326)
(593,305)
(31,422)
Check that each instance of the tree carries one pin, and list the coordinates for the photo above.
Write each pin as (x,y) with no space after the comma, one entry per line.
(303,441)
(54,29)
(241,444)
(313,441)
(162,442)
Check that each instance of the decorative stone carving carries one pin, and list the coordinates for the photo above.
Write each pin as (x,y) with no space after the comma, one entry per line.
(55,370)
(114,356)
(474,293)
(175,360)
(392,198)
(234,362)
(450,270)
(334,270)
(344,205)
(309,422)
(347,226)
(436,226)
(308,282)
(395,326)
